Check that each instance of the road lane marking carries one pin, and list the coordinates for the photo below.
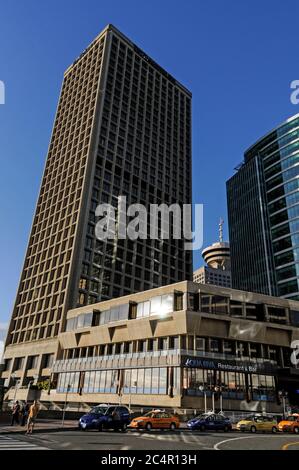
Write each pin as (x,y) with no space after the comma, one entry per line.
(234,439)
(288,444)
(7,443)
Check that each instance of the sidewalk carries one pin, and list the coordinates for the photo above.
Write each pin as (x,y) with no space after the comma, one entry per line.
(41,425)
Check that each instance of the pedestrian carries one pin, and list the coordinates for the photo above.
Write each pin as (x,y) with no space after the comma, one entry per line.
(15,413)
(24,413)
(33,411)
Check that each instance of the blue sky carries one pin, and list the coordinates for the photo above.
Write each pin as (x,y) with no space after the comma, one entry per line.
(237,58)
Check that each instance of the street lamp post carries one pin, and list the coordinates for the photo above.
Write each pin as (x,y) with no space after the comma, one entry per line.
(283,396)
(17,383)
(65,403)
(201,388)
(213,401)
(130,396)
(219,390)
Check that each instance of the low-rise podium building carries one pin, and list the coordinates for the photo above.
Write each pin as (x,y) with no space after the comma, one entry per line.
(171,346)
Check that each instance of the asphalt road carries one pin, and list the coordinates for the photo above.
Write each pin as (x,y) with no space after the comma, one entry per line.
(153,440)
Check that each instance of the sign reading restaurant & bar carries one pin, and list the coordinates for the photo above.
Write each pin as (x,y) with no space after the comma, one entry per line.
(233,366)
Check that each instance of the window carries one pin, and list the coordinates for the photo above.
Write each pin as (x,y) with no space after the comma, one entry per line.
(199,343)
(277,314)
(143,309)
(48,360)
(32,362)
(214,303)
(19,362)
(161,304)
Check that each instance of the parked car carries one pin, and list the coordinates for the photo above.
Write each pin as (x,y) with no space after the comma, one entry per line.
(290,424)
(210,422)
(106,417)
(155,419)
(257,423)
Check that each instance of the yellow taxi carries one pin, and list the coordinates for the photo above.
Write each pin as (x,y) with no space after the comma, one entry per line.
(156,419)
(258,423)
(290,424)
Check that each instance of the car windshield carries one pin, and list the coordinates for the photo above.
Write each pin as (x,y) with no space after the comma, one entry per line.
(291,418)
(251,418)
(150,414)
(99,410)
(203,416)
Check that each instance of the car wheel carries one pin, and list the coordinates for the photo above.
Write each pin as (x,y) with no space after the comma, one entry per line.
(123,427)
(202,427)
(172,427)
(296,430)
(226,429)
(100,427)
(253,429)
(274,429)
(148,426)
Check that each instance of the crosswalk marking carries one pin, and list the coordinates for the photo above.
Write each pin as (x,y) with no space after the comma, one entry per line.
(186,438)
(10,443)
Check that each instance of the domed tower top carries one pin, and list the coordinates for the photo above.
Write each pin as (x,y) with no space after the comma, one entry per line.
(217,255)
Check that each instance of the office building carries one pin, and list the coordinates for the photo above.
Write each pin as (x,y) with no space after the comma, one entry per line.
(217,259)
(263,214)
(168,347)
(122,128)
(217,277)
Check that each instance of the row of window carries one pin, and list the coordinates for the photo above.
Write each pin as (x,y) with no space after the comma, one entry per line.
(158,305)
(233,385)
(144,381)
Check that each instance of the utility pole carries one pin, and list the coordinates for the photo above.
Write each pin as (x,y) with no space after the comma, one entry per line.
(65,403)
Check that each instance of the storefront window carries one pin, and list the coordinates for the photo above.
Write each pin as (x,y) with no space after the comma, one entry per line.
(155,381)
(127,381)
(102,381)
(163,381)
(262,387)
(147,380)
(140,380)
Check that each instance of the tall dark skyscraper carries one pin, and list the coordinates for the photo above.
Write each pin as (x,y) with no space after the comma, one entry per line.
(263,212)
(122,127)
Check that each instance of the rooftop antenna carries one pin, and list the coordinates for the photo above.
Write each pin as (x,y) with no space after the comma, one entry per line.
(221,222)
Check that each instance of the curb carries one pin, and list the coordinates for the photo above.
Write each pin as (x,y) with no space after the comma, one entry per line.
(39,430)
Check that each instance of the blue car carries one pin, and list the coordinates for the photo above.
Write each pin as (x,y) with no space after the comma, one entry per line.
(210,422)
(106,417)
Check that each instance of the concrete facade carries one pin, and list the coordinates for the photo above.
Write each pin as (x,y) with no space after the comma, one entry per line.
(156,348)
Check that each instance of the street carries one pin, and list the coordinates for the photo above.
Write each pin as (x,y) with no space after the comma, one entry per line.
(153,440)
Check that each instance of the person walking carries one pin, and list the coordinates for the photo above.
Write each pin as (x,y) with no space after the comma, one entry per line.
(15,414)
(33,411)
(24,413)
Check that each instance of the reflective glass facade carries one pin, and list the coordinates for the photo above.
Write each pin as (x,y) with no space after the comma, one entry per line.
(263,207)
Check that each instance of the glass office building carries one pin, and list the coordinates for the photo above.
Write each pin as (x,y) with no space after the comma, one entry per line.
(263,211)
